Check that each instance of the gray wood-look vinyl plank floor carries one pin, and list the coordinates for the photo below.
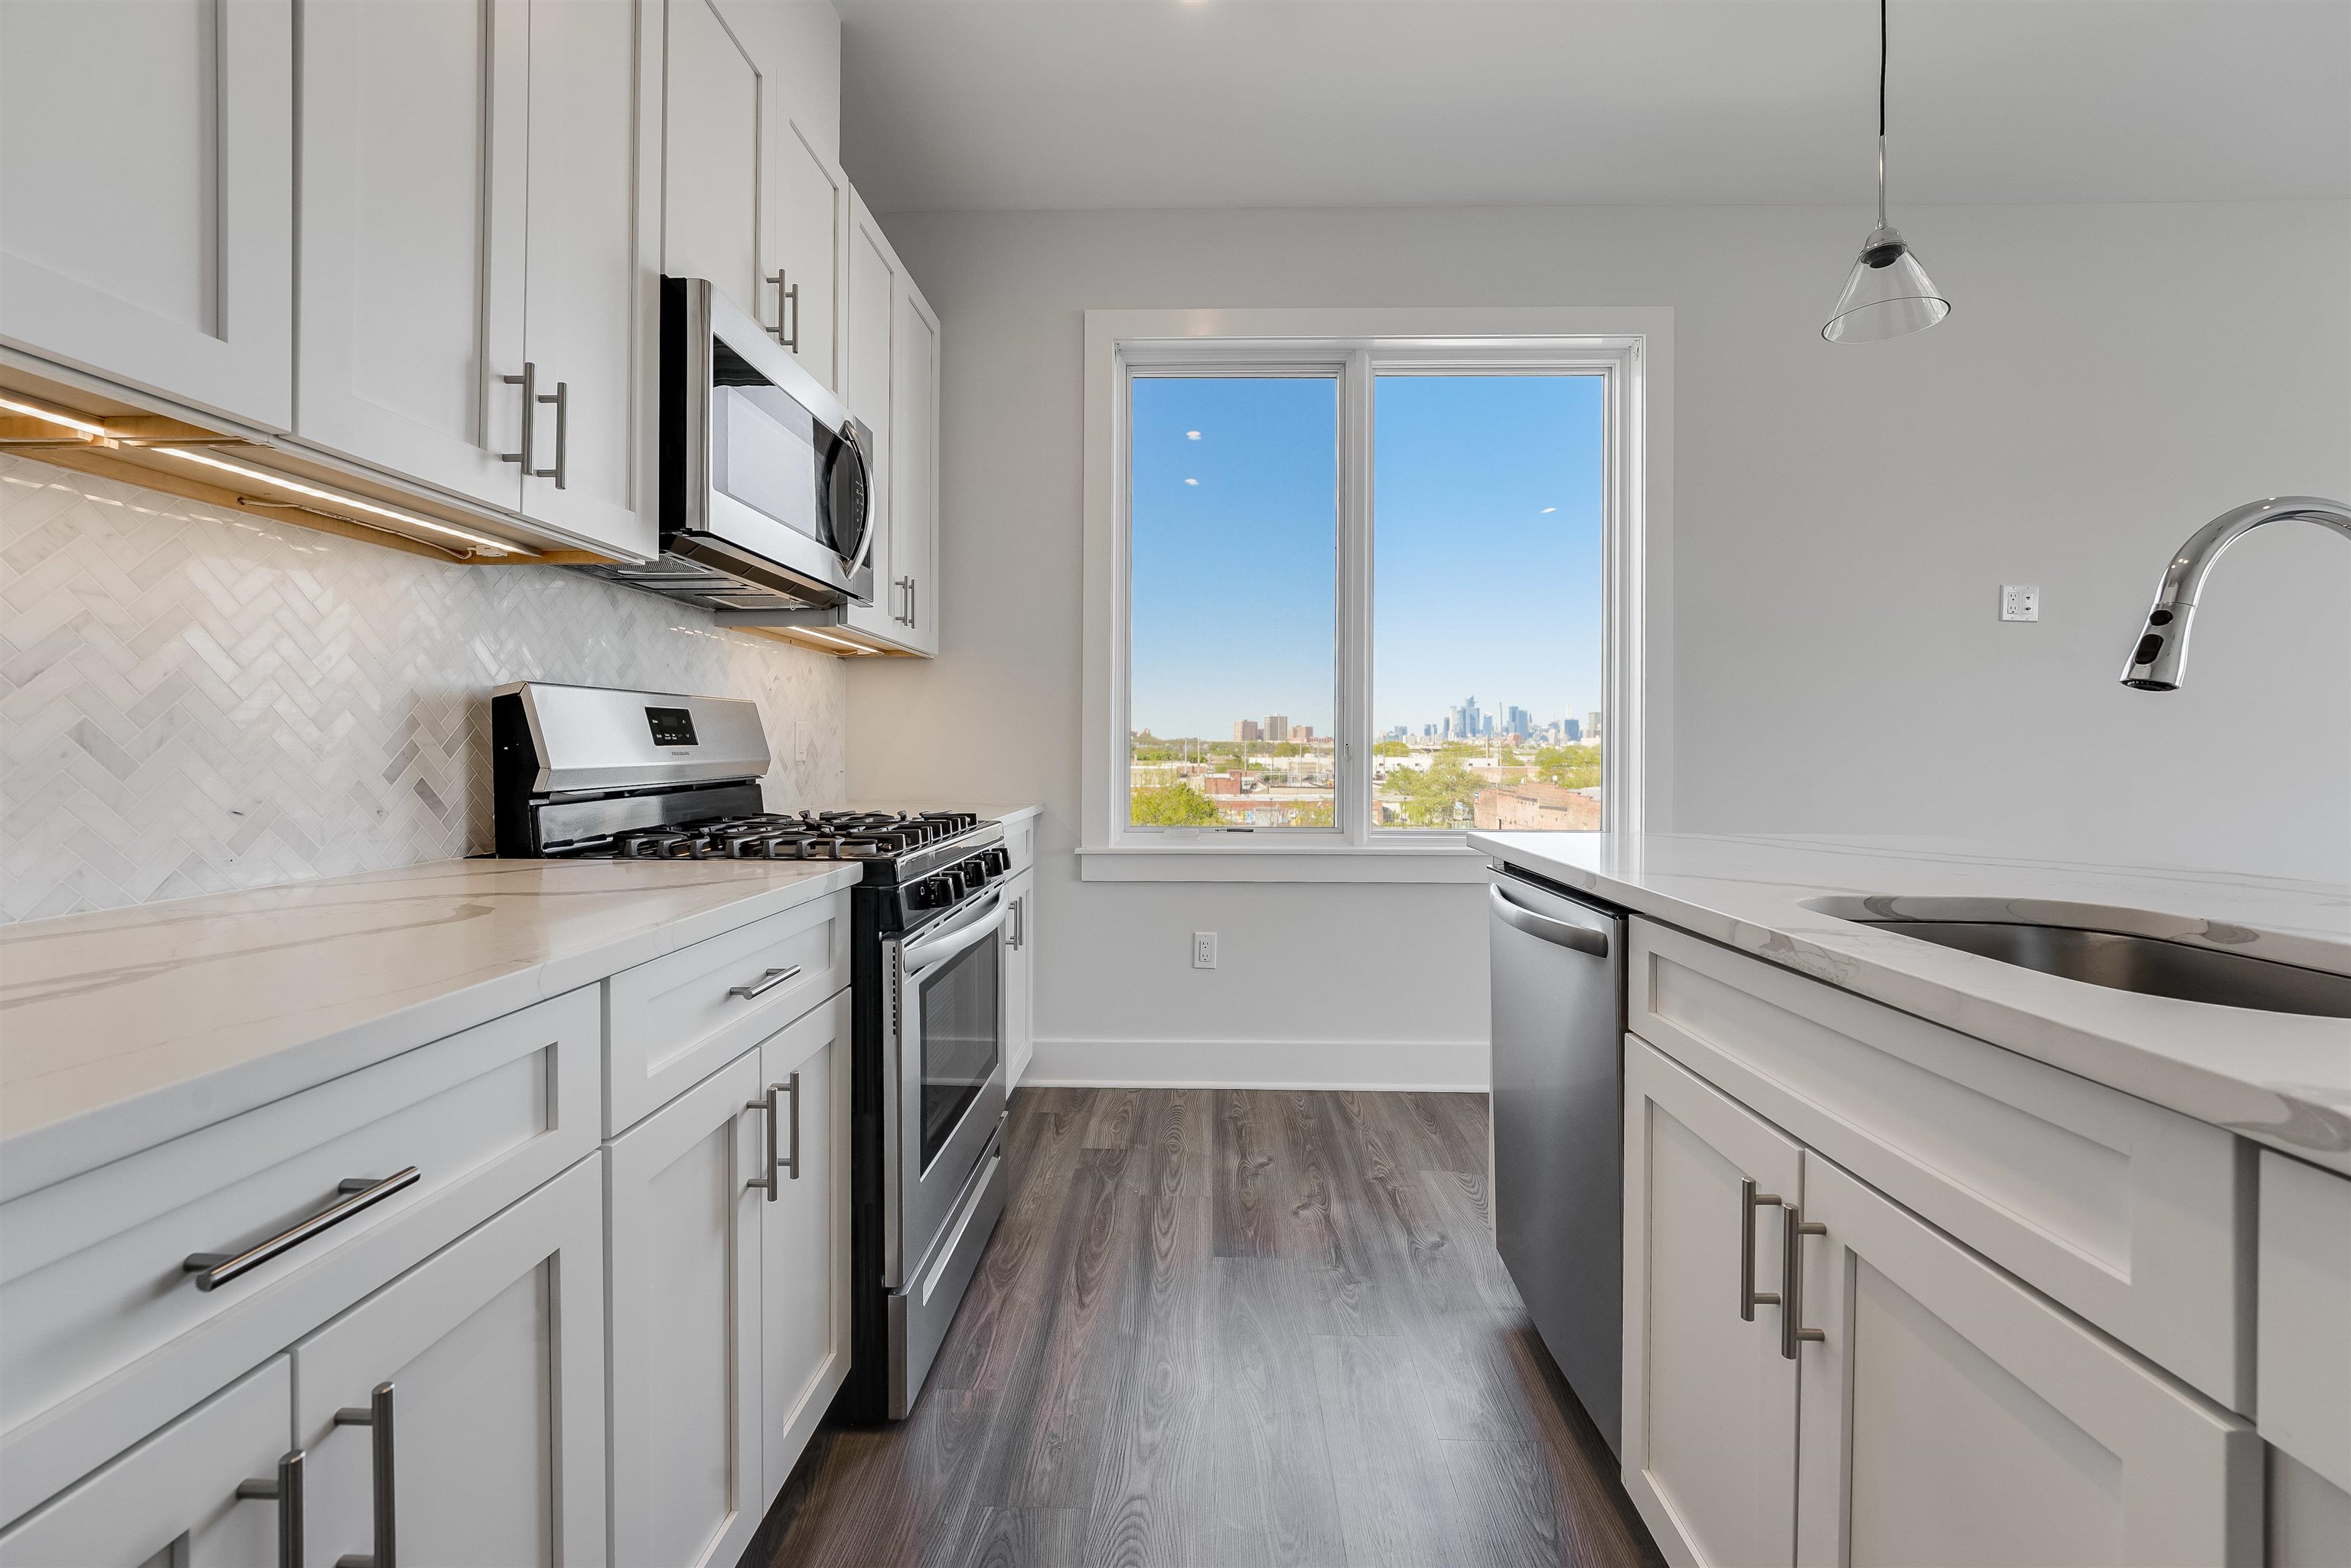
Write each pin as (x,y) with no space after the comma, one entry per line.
(1229,1329)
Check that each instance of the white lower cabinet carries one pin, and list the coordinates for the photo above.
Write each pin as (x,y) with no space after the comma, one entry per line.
(1952,1416)
(480,1376)
(685,1226)
(174,1502)
(1020,977)
(1709,1417)
(804,1237)
(1906,1402)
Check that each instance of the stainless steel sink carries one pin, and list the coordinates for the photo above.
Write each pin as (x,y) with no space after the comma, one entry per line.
(2150,965)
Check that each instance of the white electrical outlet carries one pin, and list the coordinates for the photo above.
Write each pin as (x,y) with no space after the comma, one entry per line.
(2020,601)
(1204,949)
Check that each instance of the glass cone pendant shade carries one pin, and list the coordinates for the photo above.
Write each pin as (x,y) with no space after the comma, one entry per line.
(1887,295)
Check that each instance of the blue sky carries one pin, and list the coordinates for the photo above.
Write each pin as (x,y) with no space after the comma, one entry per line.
(1478,588)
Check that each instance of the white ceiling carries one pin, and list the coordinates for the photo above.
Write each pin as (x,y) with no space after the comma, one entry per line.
(1013,104)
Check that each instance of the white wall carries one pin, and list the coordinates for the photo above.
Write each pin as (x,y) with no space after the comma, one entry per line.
(2111,377)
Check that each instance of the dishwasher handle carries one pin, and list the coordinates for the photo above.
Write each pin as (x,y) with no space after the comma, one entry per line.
(1558,933)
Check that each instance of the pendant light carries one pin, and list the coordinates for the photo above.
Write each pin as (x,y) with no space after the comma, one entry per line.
(1889,293)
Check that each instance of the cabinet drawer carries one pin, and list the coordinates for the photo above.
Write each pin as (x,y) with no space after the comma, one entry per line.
(682,1017)
(174,1499)
(104,1336)
(2135,1217)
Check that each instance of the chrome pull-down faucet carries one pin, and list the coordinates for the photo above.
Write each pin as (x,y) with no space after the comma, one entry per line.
(2158,662)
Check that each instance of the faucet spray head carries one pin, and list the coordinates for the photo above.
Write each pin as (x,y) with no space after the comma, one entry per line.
(2159,662)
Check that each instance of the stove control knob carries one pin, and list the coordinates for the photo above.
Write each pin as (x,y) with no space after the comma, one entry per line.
(1000,859)
(933,893)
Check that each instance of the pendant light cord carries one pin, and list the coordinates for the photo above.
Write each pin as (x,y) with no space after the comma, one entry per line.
(1881,113)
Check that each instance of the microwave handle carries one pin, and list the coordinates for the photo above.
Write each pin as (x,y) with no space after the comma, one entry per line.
(872,522)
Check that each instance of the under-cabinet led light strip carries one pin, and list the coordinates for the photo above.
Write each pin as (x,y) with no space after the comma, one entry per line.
(51,416)
(842,644)
(262,476)
(341,498)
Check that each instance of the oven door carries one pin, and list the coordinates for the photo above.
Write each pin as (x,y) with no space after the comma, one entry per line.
(946,1071)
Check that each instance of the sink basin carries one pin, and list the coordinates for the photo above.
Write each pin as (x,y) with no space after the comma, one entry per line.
(2119,960)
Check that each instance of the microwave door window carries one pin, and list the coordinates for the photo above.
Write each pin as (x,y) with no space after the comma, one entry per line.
(959,1013)
(762,453)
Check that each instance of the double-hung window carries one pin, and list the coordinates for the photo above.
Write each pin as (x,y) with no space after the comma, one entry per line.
(1353,594)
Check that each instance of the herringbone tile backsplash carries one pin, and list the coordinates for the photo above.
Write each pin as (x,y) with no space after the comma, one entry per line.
(193,700)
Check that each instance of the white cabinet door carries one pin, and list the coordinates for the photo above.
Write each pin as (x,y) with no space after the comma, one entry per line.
(684,1291)
(715,218)
(1952,1416)
(873,281)
(147,195)
(414,120)
(804,1236)
(1020,977)
(489,1359)
(588,269)
(915,466)
(2303,1286)
(173,1499)
(1709,1401)
(811,206)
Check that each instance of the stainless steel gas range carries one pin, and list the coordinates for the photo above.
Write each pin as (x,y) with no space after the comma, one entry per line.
(586,772)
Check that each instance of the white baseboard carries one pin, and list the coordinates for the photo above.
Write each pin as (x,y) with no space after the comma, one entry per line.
(1442,1066)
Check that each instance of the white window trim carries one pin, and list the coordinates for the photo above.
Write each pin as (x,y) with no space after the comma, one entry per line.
(1631,344)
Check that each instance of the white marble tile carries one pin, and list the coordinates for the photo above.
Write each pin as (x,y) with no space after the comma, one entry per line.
(2282,1079)
(193,700)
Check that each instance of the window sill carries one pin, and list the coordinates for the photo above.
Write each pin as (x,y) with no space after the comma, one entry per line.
(1453,862)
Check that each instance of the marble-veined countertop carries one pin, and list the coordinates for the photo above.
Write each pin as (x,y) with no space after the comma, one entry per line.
(2282,1079)
(121,1029)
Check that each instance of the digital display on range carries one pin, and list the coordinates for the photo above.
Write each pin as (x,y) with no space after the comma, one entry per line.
(671,726)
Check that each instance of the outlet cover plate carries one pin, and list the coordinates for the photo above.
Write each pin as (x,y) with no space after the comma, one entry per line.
(2020,601)
(1204,949)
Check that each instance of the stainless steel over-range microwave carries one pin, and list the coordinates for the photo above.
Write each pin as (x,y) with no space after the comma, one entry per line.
(766,494)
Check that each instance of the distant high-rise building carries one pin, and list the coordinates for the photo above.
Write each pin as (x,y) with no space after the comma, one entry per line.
(1591,727)
(1574,732)
(1277,727)
(1301,733)
(1245,729)
(1518,721)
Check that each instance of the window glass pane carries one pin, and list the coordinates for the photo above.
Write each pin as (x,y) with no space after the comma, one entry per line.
(1234,625)
(1485,638)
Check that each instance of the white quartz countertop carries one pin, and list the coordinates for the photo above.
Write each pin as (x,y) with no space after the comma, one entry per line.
(122,1028)
(2282,1079)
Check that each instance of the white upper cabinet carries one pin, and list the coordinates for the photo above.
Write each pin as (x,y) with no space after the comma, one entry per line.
(915,466)
(811,206)
(892,382)
(147,195)
(590,270)
(872,278)
(716,221)
(414,158)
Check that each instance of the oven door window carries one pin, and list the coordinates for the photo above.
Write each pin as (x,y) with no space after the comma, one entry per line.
(961,1023)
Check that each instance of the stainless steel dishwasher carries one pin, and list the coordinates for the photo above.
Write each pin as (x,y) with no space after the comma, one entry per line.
(1558,1125)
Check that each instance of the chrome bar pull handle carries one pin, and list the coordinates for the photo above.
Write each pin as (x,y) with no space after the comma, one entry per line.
(792,1087)
(787,309)
(377,1418)
(1791,1284)
(764,984)
(562,401)
(912,612)
(767,1179)
(1749,1298)
(528,382)
(214,1269)
(285,1491)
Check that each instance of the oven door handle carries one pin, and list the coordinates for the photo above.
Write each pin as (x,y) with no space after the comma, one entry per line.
(930,951)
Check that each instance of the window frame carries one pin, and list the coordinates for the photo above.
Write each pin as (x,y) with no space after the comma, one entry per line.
(1628,347)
